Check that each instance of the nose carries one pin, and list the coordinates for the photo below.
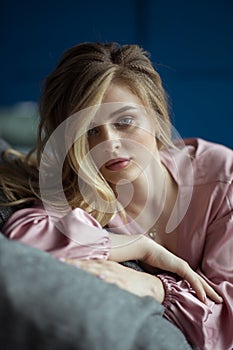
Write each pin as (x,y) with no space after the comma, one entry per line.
(110,137)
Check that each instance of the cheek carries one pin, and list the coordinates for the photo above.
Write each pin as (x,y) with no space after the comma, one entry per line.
(97,156)
(145,142)
(145,150)
(99,153)
(92,142)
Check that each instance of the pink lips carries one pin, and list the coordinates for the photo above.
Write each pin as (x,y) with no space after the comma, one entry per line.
(117,164)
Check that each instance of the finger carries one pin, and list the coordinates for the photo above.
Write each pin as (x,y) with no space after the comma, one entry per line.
(201,287)
(94,267)
(197,286)
(210,292)
(83,264)
(74,262)
(185,271)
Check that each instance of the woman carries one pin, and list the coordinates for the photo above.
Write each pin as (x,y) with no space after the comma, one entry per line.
(105,159)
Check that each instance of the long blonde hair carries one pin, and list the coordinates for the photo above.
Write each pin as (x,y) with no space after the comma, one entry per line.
(79,81)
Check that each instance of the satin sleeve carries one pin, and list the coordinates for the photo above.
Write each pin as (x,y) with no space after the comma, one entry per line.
(75,235)
(207,326)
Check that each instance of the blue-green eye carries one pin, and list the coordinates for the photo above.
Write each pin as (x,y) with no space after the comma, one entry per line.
(124,122)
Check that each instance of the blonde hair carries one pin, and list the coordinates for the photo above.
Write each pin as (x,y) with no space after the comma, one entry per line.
(80,80)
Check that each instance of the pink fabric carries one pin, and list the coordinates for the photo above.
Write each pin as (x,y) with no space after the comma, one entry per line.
(76,235)
(205,240)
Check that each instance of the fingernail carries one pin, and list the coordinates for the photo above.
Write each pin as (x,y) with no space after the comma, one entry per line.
(62,259)
(77,264)
(101,276)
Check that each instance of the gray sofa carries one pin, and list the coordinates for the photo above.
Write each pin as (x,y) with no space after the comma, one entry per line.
(46,304)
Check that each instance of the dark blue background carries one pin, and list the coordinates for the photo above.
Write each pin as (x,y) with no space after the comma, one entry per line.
(190,43)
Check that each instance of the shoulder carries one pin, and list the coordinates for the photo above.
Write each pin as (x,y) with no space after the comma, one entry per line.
(210,161)
(197,162)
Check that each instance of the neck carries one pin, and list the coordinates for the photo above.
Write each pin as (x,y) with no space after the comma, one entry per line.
(146,199)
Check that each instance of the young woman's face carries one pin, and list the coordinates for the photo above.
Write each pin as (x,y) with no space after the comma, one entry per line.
(121,137)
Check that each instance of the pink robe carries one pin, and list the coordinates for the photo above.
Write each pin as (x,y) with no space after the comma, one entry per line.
(205,241)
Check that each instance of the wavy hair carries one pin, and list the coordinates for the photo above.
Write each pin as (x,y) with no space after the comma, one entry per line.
(80,80)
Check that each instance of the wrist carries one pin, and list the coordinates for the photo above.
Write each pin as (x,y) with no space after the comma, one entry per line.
(127,247)
(167,290)
(158,290)
(152,253)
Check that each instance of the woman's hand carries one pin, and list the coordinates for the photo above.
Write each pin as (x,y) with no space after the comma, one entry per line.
(136,282)
(160,257)
(146,250)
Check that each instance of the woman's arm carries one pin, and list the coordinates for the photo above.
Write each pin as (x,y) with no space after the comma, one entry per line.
(79,236)
(72,314)
(33,226)
(124,247)
(76,235)
(212,328)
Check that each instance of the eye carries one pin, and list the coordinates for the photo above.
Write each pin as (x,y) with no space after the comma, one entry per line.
(125,122)
(92,131)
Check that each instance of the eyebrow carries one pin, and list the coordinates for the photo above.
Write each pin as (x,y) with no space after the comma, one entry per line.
(121,110)
(118,111)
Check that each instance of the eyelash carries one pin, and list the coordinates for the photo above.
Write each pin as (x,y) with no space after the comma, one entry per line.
(91,132)
(121,123)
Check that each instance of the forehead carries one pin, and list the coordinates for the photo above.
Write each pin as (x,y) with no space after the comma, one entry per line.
(120,93)
(117,100)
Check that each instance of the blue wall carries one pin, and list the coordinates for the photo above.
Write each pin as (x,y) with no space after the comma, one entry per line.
(191,42)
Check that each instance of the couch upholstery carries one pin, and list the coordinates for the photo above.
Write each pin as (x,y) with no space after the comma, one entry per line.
(46,304)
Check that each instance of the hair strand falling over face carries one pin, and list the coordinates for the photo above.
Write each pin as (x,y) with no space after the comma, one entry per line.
(79,81)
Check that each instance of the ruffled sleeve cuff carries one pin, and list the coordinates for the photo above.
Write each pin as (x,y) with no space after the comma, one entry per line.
(85,235)
(75,235)
(179,292)
(168,291)
(185,310)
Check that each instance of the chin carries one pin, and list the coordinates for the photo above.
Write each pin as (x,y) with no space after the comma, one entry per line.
(123,179)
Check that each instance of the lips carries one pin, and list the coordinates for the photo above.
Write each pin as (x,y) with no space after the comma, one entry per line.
(117,164)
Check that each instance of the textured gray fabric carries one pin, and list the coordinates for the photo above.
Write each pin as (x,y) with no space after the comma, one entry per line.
(45,305)
(133,264)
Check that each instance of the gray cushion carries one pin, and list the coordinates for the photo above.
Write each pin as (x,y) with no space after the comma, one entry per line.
(46,304)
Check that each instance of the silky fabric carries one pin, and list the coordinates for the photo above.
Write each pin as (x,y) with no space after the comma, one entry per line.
(49,305)
(205,239)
